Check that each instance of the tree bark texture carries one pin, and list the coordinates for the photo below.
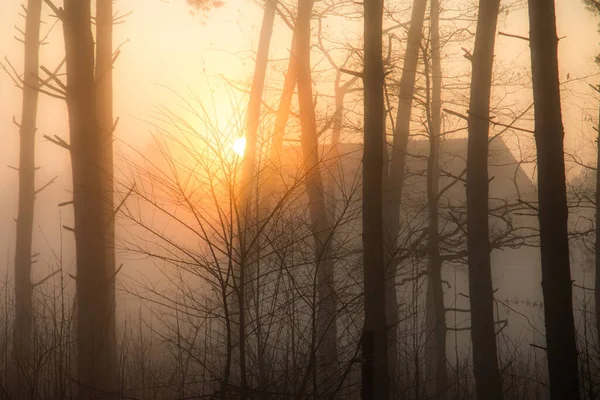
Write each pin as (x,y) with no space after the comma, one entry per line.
(553,213)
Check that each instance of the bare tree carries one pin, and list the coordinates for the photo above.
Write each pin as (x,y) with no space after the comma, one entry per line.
(106,127)
(95,297)
(395,171)
(594,5)
(22,332)
(375,375)
(321,227)
(248,240)
(597,244)
(553,212)
(485,354)
(436,310)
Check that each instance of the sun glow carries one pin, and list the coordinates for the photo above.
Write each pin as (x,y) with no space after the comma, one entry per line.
(239,146)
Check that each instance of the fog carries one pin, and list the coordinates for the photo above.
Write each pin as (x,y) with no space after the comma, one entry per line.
(182,82)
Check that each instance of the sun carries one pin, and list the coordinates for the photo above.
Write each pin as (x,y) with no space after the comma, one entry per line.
(239,146)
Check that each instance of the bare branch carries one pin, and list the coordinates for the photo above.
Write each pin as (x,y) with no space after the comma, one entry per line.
(50,182)
(58,11)
(68,228)
(53,77)
(58,141)
(46,278)
(513,36)
(353,73)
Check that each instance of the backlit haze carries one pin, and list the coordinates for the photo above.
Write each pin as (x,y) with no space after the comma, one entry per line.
(170,56)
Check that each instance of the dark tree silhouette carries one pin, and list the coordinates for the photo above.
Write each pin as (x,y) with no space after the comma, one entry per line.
(485,353)
(594,5)
(597,244)
(375,375)
(395,172)
(553,212)
(436,311)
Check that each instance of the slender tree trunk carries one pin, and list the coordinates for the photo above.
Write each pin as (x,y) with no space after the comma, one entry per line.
(247,246)
(326,362)
(597,245)
(258,84)
(254,106)
(22,331)
(336,132)
(104,109)
(394,176)
(95,298)
(375,371)
(285,103)
(485,354)
(553,213)
(436,309)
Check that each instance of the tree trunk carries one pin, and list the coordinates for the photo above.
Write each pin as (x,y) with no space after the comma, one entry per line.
(104,109)
(326,346)
(22,331)
(485,354)
(283,111)
(258,84)
(248,248)
(336,133)
(436,309)
(553,213)
(375,372)
(95,299)
(597,245)
(394,175)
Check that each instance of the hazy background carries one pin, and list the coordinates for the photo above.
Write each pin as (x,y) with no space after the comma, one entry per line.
(167,50)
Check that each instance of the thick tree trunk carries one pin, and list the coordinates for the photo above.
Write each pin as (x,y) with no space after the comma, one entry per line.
(248,249)
(394,175)
(436,310)
(326,346)
(553,213)
(22,331)
(485,354)
(375,371)
(95,299)
(104,109)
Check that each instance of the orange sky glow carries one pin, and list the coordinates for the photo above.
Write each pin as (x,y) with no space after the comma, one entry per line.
(170,56)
